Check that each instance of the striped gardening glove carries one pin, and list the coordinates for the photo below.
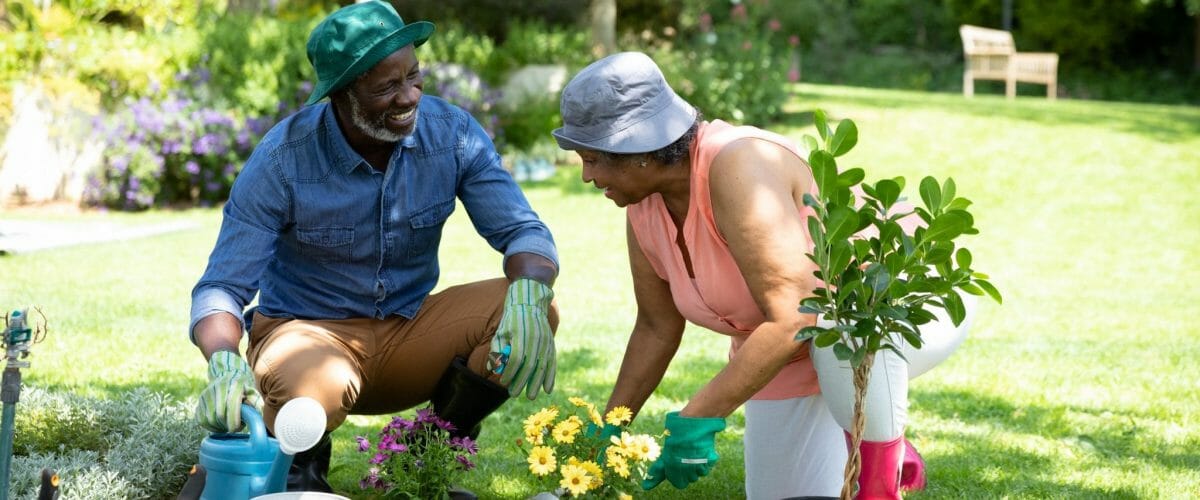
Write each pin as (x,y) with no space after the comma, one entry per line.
(523,346)
(230,382)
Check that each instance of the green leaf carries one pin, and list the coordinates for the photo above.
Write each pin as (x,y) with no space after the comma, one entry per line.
(857,357)
(851,177)
(816,233)
(840,253)
(809,332)
(939,253)
(844,138)
(931,194)
(811,201)
(963,258)
(971,289)
(827,339)
(877,277)
(811,144)
(820,122)
(841,224)
(990,290)
(812,305)
(954,307)
(864,328)
(842,352)
(947,226)
(947,192)
(959,204)
(887,192)
(824,169)
(912,338)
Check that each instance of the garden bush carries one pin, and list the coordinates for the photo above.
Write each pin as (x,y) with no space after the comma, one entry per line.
(735,69)
(138,446)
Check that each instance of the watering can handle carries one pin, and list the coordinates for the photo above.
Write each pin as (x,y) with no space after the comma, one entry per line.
(255,426)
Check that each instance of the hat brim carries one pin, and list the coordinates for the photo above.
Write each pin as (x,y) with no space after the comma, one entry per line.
(655,132)
(415,33)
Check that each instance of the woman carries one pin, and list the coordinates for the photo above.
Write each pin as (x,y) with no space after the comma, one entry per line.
(716,236)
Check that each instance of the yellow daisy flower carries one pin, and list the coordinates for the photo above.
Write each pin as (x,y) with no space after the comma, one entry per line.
(618,464)
(624,496)
(578,401)
(645,448)
(565,432)
(620,415)
(595,416)
(592,469)
(575,479)
(543,418)
(541,461)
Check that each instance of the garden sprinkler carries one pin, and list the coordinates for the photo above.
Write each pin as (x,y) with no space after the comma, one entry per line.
(18,337)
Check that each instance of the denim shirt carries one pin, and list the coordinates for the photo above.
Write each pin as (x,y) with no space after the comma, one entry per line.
(319,234)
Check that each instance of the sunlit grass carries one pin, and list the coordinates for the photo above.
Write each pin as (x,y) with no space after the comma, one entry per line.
(1084,384)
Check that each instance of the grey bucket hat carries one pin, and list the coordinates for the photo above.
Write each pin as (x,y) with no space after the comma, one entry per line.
(622,104)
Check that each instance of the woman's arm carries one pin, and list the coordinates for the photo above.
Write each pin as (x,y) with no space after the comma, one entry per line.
(657,332)
(756,187)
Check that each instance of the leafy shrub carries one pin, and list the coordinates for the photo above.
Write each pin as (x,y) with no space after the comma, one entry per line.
(258,64)
(138,446)
(734,70)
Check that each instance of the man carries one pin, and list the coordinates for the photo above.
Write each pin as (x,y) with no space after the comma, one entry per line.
(335,222)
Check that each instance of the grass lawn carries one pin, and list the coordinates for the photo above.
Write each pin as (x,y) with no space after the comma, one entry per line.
(1083,384)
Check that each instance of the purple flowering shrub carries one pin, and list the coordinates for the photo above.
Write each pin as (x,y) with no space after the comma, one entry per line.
(177,150)
(464,88)
(416,458)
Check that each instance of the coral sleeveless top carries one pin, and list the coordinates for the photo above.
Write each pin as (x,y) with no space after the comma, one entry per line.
(717,298)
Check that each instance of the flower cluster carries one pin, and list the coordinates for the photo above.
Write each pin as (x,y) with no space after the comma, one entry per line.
(416,458)
(578,458)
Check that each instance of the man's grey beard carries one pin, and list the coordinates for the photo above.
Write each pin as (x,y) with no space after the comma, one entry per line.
(373,130)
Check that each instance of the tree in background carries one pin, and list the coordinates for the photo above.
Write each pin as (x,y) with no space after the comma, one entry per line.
(603,20)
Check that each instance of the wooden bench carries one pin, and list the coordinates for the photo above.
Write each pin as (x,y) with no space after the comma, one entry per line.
(991,55)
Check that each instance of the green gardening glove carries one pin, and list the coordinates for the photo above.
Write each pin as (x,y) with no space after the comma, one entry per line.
(605,434)
(230,381)
(523,346)
(688,453)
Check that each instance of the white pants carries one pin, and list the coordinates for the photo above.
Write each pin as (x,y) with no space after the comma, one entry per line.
(795,447)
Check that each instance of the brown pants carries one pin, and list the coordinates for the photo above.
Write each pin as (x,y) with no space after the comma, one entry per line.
(375,366)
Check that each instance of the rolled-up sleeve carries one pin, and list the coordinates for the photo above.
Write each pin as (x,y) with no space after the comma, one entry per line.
(252,219)
(495,203)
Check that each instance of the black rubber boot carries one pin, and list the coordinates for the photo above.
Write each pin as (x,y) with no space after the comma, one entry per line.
(310,468)
(464,398)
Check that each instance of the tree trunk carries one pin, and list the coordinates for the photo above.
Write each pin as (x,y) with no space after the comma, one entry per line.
(5,25)
(862,375)
(603,17)
(1196,44)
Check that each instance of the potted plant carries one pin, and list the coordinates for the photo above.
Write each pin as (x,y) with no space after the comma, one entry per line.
(878,290)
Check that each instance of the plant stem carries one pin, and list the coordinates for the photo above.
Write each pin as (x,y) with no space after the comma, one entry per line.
(862,375)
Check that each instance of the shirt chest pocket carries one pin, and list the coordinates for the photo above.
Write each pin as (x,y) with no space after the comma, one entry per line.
(426,227)
(326,244)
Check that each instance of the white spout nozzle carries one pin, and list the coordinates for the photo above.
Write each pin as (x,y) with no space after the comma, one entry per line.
(299,425)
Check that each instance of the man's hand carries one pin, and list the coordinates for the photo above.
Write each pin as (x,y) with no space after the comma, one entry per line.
(689,452)
(523,347)
(230,381)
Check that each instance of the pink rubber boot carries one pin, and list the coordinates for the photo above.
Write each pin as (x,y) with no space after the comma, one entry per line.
(912,475)
(879,475)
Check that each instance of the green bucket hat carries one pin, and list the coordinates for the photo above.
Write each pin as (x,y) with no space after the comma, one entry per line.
(354,39)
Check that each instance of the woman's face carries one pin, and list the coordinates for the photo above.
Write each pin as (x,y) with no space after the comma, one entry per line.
(623,178)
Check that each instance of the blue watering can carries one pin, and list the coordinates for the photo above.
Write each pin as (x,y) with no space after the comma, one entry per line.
(243,466)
